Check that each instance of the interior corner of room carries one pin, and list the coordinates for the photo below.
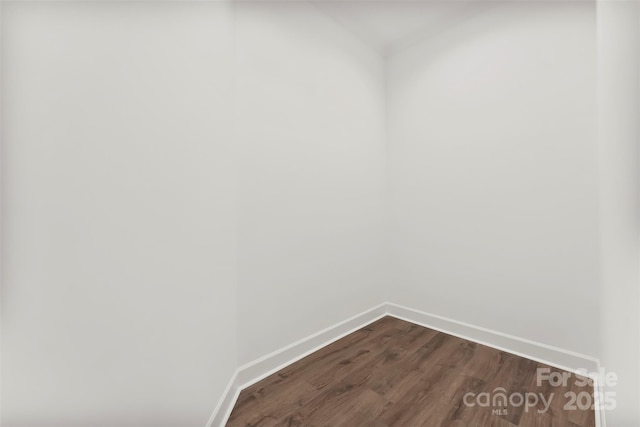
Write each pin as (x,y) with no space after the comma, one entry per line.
(198,193)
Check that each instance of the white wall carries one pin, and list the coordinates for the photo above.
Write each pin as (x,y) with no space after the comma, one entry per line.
(310,118)
(493,170)
(118,302)
(618,154)
(144,258)
(125,256)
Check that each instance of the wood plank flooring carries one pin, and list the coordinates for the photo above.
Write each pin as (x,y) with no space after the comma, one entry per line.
(395,373)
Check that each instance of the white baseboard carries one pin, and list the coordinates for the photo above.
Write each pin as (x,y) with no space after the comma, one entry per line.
(225,404)
(261,368)
(539,352)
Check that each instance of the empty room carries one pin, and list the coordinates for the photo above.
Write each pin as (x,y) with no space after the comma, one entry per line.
(320,213)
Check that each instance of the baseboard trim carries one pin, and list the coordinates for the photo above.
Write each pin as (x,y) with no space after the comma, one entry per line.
(261,368)
(539,352)
(223,409)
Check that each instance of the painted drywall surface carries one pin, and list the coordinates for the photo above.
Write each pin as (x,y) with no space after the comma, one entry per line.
(492,130)
(118,299)
(310,119)
(618,154)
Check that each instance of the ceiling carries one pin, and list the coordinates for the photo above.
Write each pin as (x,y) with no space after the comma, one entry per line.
(389,26)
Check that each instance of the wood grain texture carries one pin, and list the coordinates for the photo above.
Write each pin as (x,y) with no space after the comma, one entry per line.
(395,373)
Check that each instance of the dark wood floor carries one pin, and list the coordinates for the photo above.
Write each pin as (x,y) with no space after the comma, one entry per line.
(395,373)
